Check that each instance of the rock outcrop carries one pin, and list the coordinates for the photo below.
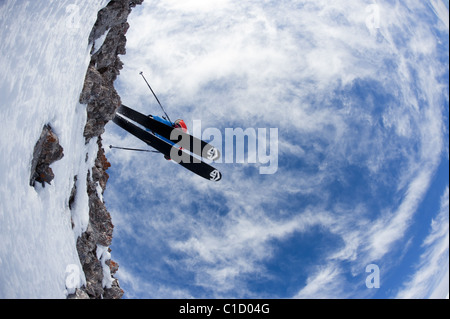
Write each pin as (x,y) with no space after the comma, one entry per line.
(46,151)
(98,93)
(102,100)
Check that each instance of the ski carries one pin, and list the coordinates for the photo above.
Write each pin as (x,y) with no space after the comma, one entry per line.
(179,156)
(184,140)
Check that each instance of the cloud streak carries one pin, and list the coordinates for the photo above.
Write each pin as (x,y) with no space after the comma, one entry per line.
(431,277)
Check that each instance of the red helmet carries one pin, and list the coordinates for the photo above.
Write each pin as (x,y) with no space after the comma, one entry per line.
(181,125)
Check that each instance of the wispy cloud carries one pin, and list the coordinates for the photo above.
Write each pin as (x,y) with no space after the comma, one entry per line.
(441,11)
(326,283)
(431,277)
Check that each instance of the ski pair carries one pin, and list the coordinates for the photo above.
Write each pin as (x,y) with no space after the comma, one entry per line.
(183,158)
(177,136)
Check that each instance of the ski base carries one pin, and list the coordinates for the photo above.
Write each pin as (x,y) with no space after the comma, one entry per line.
(179,156)
(177,136)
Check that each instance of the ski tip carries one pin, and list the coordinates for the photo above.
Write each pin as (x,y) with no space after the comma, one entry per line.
(215,176)
(213,154)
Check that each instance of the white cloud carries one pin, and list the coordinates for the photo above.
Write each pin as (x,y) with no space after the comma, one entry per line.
(326,283)
(431,277)
(222,255)
(389,229)
(196,5)
(441,11)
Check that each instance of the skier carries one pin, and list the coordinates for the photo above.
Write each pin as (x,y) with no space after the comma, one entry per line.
(158,133)
(179,124)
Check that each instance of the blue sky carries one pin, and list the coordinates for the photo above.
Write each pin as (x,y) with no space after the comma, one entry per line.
(362,116)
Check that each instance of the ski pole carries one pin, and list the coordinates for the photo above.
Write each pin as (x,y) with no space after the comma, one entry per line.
(162,108)
(131,149)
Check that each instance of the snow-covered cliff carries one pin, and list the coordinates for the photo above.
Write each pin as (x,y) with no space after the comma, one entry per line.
(59,62)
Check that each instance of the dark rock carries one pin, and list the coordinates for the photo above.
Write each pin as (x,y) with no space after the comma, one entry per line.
(115,292)
(99,93)
(99,173)
(92,268)
(73,193)
(99,217)
(113,266)
(115,13)
(79,294)
(46,151)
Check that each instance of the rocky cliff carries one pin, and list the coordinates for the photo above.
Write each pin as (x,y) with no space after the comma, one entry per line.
(102,100)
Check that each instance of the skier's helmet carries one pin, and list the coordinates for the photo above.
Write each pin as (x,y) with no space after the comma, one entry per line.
(181,125)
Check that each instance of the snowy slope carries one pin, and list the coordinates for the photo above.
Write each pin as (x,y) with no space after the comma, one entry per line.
(44,54)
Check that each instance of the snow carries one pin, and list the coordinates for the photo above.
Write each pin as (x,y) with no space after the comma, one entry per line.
(80,209)
(44,54)
(99,42)
(103,255)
